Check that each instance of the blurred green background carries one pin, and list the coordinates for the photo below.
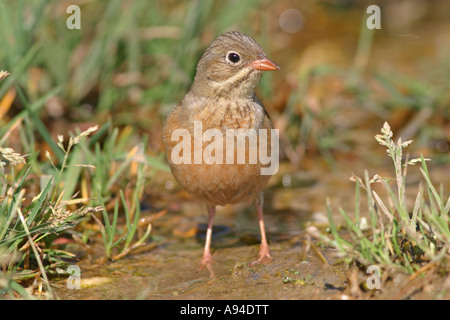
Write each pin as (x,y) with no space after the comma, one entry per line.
(132,61)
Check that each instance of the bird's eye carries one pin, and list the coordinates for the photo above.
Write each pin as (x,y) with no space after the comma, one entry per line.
(233,57)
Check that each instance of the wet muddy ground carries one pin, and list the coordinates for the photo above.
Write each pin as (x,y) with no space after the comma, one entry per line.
(173,273)
(303,267)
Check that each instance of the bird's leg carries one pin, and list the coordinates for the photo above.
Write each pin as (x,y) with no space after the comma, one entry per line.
(264,252)
(207,258)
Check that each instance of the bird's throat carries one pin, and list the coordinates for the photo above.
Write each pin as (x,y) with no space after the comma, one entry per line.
(240,85)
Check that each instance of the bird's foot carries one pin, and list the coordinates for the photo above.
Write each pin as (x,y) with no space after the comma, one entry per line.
(263,257)
(207,259)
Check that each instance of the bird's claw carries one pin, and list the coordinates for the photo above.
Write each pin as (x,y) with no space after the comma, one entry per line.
(207,259)
(264,256)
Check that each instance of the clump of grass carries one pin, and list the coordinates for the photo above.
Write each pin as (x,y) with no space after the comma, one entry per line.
(396,236)
(124,243)
(115,180)
(29,226)
(101,168)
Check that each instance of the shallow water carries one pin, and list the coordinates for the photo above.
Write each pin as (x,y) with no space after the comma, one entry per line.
(170,268)
(172,272)
(302,266)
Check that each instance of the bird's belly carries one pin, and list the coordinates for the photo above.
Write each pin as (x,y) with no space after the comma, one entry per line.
(216,156)
(221,184)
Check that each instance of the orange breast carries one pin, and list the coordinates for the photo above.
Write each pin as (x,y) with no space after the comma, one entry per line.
(218,166)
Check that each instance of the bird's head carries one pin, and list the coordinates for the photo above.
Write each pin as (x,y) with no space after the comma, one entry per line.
(232,65)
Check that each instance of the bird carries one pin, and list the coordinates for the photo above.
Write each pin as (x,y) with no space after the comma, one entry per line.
(222,98)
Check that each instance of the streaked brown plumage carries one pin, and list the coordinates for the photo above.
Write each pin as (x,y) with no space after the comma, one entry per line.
(222,97)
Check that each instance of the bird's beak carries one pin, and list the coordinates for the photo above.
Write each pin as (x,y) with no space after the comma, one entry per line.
(263,64)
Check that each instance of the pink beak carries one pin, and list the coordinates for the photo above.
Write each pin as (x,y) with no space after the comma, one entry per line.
(264,64)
